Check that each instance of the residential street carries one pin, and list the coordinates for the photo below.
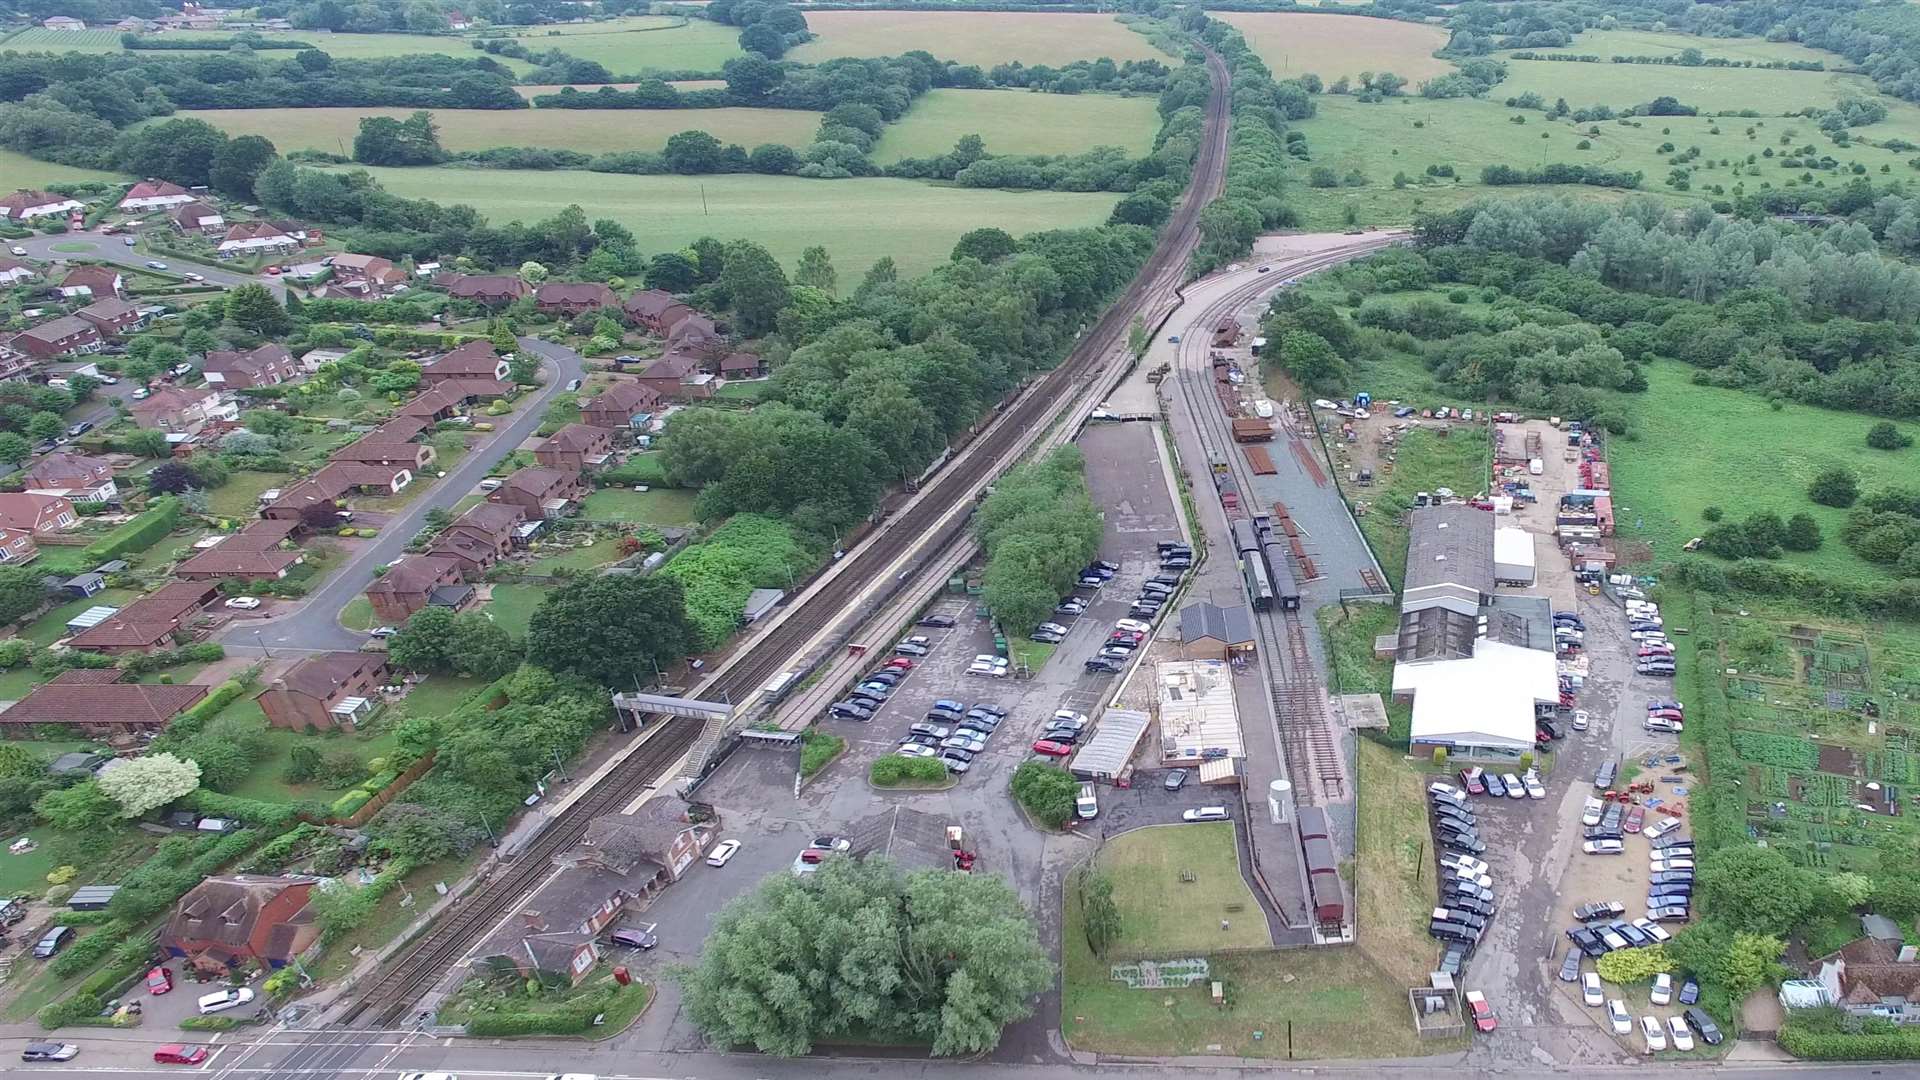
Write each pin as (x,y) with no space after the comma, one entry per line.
(111,249)
(315,625)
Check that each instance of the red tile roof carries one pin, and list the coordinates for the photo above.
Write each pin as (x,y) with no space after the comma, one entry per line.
(576,437)
(476,358)
(80,697)
(152,189)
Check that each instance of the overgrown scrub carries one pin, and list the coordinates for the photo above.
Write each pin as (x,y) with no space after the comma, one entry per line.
(573,1017)
(1046,791)
(748,552)
(817,748)
(894,770)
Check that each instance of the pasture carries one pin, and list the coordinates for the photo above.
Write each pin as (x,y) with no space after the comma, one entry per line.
(343,46)
(20,171)
(973,37)
(857,220)
(646,43)
(1771,93)
(586,130)
(1652,43)
(1330,46)
(1017,122)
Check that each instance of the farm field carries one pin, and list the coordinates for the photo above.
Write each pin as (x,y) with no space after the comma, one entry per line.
(629,46)
(585,130)
(534,90)
(1653,43)
(343,46)
(1016,122)
(857,220)
(1701,445)
(1334,45)
(968,37)
(23,171)
(1771,93)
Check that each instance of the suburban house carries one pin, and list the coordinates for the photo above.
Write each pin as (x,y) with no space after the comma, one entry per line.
(14,363)
(13,271)
(253,237)
(30,512)
(472,360)
(621,403)
(656,311)
(74,477)
(327,691)
(369,275)
(92,702)
(699,336)
(349,477)
(113,316)
(1871,976)
(63,22)
(228,919)
(65,336)
(742,365)
(657,834)
(570,298)
(434,405)
(372,450)
(92,283)
(17,547)
(480,537)
(149,623)
(151,194)
(492,290)
(410,585)
(268,365)
(541,492)
(198,217)
(468,391)
(577,447)
(398,429)
(252,554)
(179,411)
(678,376)
(27,205)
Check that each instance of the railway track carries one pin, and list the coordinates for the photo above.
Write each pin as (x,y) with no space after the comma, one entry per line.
(394,991)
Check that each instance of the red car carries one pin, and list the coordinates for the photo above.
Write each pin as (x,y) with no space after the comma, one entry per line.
(159,981)
(1051,748)
(1127,635)
(1635,817)
(1470,779)
(180,1054)
(1665,714)
(1483,1019)
(900,663)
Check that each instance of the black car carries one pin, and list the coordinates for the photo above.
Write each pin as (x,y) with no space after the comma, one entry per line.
(1098,666)
(630,938)
(1587,941)
(1671,888)
(1165,546)
(49,1051)
(1599,909)
(943,622)
(1549,729)
(849,710)
(1672,840)
(1570,967)
(1447,830)
(1470,905)
(1672,877)
(1452,931)
(1466,845)
(1702,1025)
(1689,991)
(1634,935)
(1601,832)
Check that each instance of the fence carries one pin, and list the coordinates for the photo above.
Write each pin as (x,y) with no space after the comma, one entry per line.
(389,793)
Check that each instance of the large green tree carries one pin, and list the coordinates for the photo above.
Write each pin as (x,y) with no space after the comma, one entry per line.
(1756,889)
(238,163)
(755,286)
(182,150)
(252,307)
(437,640)
(617,629)
(22,589)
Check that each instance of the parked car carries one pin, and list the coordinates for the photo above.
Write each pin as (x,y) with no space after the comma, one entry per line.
(49,1051)
(1176,779)
(1689,988)
(1654,1032)
(159,981)
(222,1000)
(1669,913)
(723,852)
(1702,1025)
(1678,1034)
(1496,787)
(1472,780)
(1482,1013)
(1662,992)
(1603,847)
(1207,813)
(849,710)
(1535,789)
(52,942)
(939,622)
(1590,990)
(915,749)
(1570,966)
(1580,720)
(1052,748)
(632,937)
(1135,625)
(1656,866)
(1102,666)
(179,1054)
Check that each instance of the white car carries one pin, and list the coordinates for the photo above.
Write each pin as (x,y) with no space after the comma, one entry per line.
(1655,1032)
(723,852)
(1535,790)
(1618,1017)
(1603,847)
(244,603)
(915,750)
(1661,866)
(1653,930)
(1207,813)
(1661,828)
(1580,719)
(384,631)
(1465,862)
(1133,625)
(1590,815)
(1515,789)
(1677,1029)
(1068,716)
(1448,790)
(1051,628)
(1467,876)
(18,250)
(1662,992)
(195,277)
(1590,990)
(222,1000)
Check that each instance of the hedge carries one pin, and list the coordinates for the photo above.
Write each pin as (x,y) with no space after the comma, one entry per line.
(250,811)
(894,769)
(195,718)
(83,1005)
(573,1018)
(1903,1045)
(139,534)
(208,1023)
(89,950)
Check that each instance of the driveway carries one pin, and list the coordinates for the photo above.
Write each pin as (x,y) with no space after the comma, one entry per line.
(111,249)
(316,624)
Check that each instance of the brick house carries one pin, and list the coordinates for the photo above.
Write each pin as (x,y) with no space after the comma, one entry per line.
(742,365)
(151,194)
(92,283)
(230,919)
(179,411)
(29,512)
(65,336)
(570,298)
(256,237)
(434,405)
(377,451)
(268,365)
(1868,977)
(357,477)
(678,376)
(480,537)
(14,363)
(17,547)
(491,290)
(472,360)
(94,703)
(616,408)
(655,310)
(541,492)
(409,586)
(252,554)
(370,275)
(576,447)
(75,477)
(399,429)
(657,833)
(113,316)
(326,691)
(197,217)
(24,206)
(152,622)
(468,391)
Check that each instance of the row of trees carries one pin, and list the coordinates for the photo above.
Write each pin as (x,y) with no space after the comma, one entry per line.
(1039,527)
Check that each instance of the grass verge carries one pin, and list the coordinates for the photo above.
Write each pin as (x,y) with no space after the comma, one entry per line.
(1393,869)
(1176,886)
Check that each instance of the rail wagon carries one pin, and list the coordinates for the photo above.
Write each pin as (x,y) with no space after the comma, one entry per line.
(1286,590)
(1329,906)
(1246,539)
(1312,823)
(1259,587)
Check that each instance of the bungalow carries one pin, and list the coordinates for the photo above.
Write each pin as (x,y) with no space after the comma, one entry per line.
(467,391)
(94,703)
(362,478)
(151,194)
(678,376)
(434,405)
(622,402)
(268,365)
(327,692)
(379,275)
(472,360)
(25,205)
(1870,976)
(655,310)
(409,585)
(373,450)
(179,411)
(65,336)
(113,316)
(92,283)
(252,237)
(13,271)
(237,557)
(28,512)
(570,298)
(198,217)
(76,477)
(229,921)
(743,365)
(541,492)
(399,429)
(480,537)
(17,547)
(149,623)
(491,290)
(575,447)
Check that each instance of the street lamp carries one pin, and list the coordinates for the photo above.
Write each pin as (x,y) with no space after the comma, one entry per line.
(262,642)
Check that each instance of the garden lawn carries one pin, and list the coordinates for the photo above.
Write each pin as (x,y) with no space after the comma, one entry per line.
(267,781)
(239,498)
(1700,446)
(659,506)
(439,695)
(512,606)
(590,131)
(52,626)
(598,553)
(22,171)
(1017,122)
(752,390)
(358,614)
(858,221)
(974,37)
(1330,46)
(1427,461)
(1163,916)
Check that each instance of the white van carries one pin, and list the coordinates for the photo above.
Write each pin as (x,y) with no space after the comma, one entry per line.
(1086,806)
(223,1000)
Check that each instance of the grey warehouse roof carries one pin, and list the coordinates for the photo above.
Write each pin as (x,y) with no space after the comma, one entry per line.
(1112,745)
(1233,625)
(1450,545)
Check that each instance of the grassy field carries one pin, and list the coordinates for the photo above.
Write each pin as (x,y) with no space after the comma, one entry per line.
(1015,122)
(1653,43)
(587,130)
(656,507)
(344,46)
(1701,446)
(1772,93)
(1164,916)
(629,47)
(972,37)
(1393,866)
(1426,462)
(1334,45)
(857,220)
(23,171)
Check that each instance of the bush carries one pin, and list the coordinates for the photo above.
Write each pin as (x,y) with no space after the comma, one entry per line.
(1835,487)
(89,950)
(573,1018)
(893,770)
(208,1023)
(253,812)
(1889,1044)
(1633,965)
(1047,792)
(1713,513)
(817,748)
(1884,436)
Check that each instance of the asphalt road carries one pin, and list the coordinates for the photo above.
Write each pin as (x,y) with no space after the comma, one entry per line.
(112,249)
(315,625)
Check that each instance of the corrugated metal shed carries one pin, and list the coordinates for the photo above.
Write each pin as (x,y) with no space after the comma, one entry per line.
(91,897)
(1218,771)
(1114,740)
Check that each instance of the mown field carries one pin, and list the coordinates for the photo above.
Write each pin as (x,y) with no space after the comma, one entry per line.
(857,220)
(17,170)
(973,37)
(1654,43)
(1771,93)
(1016,122)
(344,46)
(534,90)
(644,43)
(587,130)
(1334,45)
(1700,446)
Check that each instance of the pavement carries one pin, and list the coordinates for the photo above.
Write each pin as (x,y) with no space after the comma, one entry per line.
(315,625)
(113,249)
